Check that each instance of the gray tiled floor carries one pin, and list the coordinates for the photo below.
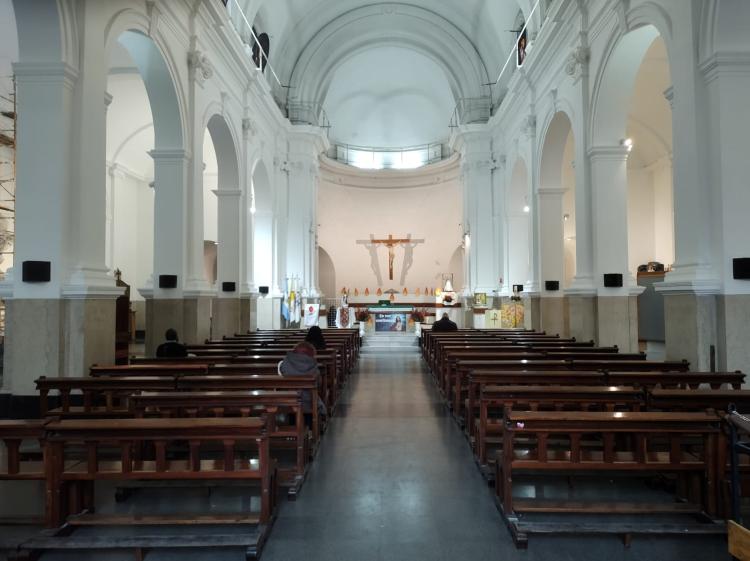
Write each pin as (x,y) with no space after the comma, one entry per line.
(395,480)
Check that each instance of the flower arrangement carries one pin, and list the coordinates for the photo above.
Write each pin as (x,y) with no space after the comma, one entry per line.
(448,299)
(418,316)
(363,315)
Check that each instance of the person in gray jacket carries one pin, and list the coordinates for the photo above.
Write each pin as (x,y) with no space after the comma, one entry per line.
(300,361)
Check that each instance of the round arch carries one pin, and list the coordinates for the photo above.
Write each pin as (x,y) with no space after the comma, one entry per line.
(158,69)
(410,27)
(227,154)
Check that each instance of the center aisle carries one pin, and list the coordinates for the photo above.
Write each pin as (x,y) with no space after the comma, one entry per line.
(394,477)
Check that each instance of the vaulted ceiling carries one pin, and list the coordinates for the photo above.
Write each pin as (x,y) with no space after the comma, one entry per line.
(417,58)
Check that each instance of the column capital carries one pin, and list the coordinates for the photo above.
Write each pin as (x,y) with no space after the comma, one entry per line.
(617,152)
(167,154)
(227,193)
(46,72)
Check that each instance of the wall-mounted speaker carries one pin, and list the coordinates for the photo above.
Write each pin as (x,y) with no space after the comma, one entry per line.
(741,268)
(228,286)
(612,280)
(167,281)
(263,289)
(36,271)
(551,286)
(517,288)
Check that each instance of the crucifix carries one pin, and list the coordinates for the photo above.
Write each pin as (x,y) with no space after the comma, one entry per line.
(391,243)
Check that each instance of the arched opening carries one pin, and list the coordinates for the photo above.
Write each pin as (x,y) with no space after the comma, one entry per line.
(222,211)
(262,202)
(210,210)
(632,175)
(146,180)
(130,178)
(557,202)
(326,274)
(517,214)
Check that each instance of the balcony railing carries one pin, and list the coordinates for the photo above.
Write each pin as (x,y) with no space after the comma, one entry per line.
(307,113)
(471,110)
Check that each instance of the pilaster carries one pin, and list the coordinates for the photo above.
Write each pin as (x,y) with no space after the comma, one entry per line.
(477,164)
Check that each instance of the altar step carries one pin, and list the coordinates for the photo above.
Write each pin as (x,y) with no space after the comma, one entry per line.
(375,342)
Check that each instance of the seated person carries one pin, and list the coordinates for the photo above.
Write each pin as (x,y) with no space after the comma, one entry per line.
(171,348)
(444,324)
(300,361)
(315,338)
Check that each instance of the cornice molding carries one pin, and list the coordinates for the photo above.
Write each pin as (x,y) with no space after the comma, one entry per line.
(336,173)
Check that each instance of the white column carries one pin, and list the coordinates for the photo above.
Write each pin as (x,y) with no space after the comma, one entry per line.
(498,224)
(475,145)
(551,236)
(170,227)
(305,147)
(228,259)
(617,312)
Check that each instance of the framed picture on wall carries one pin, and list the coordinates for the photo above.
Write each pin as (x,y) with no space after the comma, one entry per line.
(480,299)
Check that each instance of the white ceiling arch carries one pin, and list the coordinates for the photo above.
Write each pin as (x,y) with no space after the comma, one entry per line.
(388,25)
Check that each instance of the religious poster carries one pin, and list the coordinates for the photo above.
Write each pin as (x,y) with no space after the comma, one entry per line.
(480,299)
(493,319)
(512,315)
(390,322)
(521,44)
(344,318)
(312,311)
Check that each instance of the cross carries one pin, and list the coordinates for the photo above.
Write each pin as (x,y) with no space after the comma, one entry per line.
(391,243)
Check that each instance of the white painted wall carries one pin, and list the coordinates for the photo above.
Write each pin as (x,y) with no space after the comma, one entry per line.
(133,241)
(433,213)
(263,254)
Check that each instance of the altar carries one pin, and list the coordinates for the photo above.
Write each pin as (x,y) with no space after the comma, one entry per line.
(391,317)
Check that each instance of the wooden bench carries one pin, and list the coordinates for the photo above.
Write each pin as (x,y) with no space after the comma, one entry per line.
(101,397)
(698,400)
(629,443)
(253,403)
(172,462)
(502,399)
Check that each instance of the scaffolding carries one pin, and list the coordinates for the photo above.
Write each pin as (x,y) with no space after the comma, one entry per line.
(8,123)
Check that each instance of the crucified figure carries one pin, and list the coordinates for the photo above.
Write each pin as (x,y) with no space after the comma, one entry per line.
(408,246)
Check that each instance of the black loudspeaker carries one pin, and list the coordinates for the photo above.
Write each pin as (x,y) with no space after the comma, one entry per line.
(167,281)
(228,286)
(517,288)
(263,289)
(740,268)
(551,286)
(612,280)
(35,271)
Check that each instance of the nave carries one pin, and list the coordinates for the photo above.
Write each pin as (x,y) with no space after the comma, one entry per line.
(395,480)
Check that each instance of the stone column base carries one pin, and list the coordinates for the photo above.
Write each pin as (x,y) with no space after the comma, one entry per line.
(246,307)
(532,316)
(553,313)
(734,343)
(690,328)
(55,338)
(197,320)
(617,322)
(582,317)
(226,317)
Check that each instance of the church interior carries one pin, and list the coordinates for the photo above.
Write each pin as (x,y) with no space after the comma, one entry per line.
(374,280)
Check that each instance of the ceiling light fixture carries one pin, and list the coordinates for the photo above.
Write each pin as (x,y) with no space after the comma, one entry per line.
(627,143)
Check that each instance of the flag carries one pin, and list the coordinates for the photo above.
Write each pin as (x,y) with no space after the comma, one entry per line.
(285,301)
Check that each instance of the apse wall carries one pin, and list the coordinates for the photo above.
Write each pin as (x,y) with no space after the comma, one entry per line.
(354,205)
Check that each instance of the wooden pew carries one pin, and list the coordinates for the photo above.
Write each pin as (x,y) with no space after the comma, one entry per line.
(234,439)
(253,403)
(254,383)
(698,400)
(632,443)
(102,397)
(544,398)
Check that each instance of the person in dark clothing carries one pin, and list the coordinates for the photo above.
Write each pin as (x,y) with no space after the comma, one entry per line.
(171,348)
(300,361)
(444,324)
(315,338)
